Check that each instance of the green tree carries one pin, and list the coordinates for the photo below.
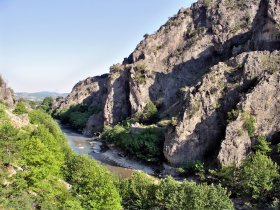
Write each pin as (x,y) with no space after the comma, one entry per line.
(20,108)
(249,124)
(93,183)
(169,195)
(47,104)
(149,114)
(257,174)
(138,192)
(262,145)
(8,136)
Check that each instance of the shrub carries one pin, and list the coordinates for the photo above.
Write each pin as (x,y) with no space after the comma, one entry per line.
(232,115)
(93,183)
(195,168)
(140,73)
(8,137)
(168,194)
(137,192)
(20,108)
(46,104)
(278,148)
(249,124)
(1,81)
(226,176)
(149,114)
(202,196)
(257,174)
(142,192)
(262,145)
(114,134)
(207,3)
(147,145)
(78,115)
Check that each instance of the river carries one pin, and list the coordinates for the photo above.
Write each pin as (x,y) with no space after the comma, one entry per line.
(111,158)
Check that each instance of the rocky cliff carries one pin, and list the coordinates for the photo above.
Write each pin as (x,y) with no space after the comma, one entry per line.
(6,94)
(213,66)
(89,91)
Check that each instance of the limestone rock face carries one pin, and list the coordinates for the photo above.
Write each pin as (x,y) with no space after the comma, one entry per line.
(117,106)
(262,104)
(203,63)
(6,94)
(89,91)
(203,122)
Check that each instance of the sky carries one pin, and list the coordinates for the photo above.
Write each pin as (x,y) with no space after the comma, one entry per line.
(51,45)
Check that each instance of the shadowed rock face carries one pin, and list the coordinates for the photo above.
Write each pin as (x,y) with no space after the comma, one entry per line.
(263,104)
(197,67)
(203,123)
(91,91)
(6,94)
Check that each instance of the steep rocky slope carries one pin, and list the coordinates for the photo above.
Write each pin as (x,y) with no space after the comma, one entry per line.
(206,61)
(6,94)
(209,105)
(92,92)
(89,91)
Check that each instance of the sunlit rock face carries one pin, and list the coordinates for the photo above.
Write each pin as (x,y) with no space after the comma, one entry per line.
(206,61)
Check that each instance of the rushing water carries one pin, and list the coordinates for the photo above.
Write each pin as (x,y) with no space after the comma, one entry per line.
(93,147)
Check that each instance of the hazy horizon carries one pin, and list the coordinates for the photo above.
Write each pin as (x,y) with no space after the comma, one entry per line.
(52,45)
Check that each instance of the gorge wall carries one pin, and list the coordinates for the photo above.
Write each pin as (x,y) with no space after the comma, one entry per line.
(217,58)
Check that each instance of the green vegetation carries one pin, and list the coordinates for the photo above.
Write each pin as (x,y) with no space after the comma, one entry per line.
(270,63)
(141,72)
(142,192)
(39,171)
(35,164)
(193,168)
(207,3)
(116,68)
(254,179)
(46,104)
(249,124)
(165,123)
(93,183)
(232,115)
(78,115)
(262,145)
(1,81)
(257,174)
(149,115)
(146,145)
(20,108)
(145,142)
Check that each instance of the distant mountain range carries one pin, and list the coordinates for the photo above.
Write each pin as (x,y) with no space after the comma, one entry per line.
(38,96)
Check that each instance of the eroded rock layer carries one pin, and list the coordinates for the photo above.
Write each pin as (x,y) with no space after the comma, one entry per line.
(205,62)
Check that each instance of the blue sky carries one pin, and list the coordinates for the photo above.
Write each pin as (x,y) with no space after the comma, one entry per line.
(52,44)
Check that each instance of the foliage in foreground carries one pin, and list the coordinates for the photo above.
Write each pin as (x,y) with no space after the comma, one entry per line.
(257,178)
(34,162)
(142,192)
